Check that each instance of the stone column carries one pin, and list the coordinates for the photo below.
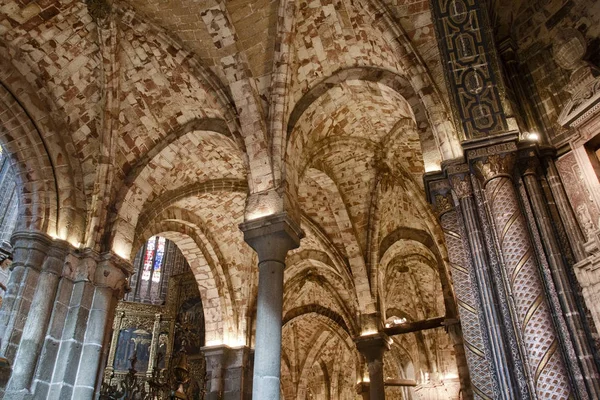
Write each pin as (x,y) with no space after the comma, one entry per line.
(589,373)
(456,334)
(237,383)
(271,237)
(228,369)
(40,311)
(373,347)
(216,357)
(110,282)
(29,252)
(469,340)
(72,354)
(567,215)
(545,362)
(460,180)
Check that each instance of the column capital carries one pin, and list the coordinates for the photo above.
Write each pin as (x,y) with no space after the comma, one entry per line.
(112,272)
(30,248)
(57,254)
(373,346)
(459,177)
(439,193)
(272,236)
(529,163)
(492,158)
(494,166)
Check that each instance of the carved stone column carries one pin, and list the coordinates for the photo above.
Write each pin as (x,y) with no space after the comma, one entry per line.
(546,366)
(531,171)
(474,344)
(271,237)
(373,347)
(110,282)
(567,215)
(492,326)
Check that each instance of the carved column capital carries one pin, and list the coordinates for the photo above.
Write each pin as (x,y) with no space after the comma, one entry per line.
(461,185)
(439,194)
(530,160)
(443,203)
(459,178)
(494,166)
(372,347)
(530,166)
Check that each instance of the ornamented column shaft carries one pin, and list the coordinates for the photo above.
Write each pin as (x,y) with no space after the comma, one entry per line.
(545,362)
(373,347)
(558,268)
(271,237)
(567,215)
(481,372)
(460,354)
(460,180)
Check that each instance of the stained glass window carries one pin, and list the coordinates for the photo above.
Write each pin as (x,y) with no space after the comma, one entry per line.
(160,252)
(148,258)
(153,266)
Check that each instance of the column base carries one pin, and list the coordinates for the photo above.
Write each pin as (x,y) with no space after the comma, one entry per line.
(229,372)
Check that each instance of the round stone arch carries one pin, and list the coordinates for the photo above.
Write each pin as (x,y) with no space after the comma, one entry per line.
(312,270)
(424,238)
(218,313)
(428,110)
(330,321)
(48,177)
(136,195)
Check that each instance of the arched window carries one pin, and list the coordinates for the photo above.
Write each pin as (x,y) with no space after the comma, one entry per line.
(153,265)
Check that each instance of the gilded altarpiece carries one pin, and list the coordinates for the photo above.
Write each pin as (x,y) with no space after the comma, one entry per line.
(155,334)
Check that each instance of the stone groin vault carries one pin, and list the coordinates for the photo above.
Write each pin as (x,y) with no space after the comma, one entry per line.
(371,198)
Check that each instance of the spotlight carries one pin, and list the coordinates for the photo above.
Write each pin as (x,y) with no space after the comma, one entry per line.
(532,136)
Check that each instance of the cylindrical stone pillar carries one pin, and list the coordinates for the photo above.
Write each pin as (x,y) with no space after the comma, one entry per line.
(35,328)
(567,215)
(216,358)
(498,348)
(99,320)
(546,366)
(29,251)
(470,340)
(560,278)
(373,347)
(271,237)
